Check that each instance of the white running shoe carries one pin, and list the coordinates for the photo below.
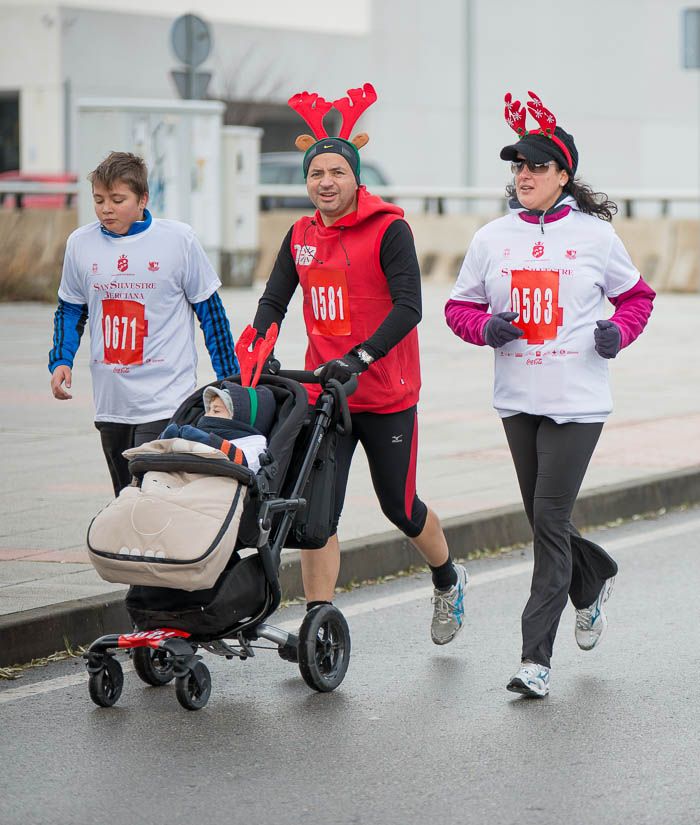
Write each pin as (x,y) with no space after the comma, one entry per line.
(591,621)
(448,614)
(531,680)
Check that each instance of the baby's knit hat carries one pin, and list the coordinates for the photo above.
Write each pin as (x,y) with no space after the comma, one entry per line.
(224,395)
(253,405)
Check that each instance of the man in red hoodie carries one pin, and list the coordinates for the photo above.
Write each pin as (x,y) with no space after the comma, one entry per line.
(356,263)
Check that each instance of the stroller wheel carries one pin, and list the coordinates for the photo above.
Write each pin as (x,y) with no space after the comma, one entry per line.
(194,689)
(105,685)
(154,667)
(324,648)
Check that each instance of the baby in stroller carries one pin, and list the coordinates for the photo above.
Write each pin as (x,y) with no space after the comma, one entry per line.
(202,549)
(239,428)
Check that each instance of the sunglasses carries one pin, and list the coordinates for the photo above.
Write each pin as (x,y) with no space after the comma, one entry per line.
(517,166)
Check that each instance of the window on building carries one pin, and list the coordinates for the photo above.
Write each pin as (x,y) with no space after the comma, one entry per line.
(9,131)
(691,38)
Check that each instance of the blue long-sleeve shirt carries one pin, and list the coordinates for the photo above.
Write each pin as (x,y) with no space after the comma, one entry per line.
(217,335)
(68,326)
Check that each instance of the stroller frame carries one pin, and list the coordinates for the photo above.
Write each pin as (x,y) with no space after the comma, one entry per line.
(322,647)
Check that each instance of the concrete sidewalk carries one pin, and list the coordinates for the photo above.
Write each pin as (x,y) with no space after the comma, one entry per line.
(55,478)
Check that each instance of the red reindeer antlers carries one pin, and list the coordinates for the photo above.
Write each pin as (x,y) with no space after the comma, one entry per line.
(515,115)
(252,353)
(353,106)
(543,116)
(313,109)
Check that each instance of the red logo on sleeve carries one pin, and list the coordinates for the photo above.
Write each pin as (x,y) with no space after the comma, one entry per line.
(534,296)
(123,263)
(153,266)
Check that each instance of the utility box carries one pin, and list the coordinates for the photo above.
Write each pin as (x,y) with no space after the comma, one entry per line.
(240,242)
(180,140)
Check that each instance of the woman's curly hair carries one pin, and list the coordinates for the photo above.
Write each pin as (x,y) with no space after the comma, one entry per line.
(588,201)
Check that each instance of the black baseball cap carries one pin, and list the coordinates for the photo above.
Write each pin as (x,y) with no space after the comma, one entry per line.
(540,149)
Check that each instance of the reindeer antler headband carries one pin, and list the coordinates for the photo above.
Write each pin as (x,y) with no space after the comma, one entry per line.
(515,115)
(313,108)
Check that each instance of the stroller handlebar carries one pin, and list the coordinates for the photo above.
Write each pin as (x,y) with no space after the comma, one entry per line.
(340,393)
(309,377)
(301,376)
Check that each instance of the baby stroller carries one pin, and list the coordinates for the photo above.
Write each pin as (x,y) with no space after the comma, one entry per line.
(276,511)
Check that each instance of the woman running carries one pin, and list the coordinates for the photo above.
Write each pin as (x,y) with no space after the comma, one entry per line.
(532,286)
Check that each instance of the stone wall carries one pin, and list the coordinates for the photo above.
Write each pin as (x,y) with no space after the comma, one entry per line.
(32,245)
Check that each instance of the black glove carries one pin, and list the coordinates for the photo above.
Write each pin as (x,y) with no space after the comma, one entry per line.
(607,339)
(272,365)
(499,331)
(341,369)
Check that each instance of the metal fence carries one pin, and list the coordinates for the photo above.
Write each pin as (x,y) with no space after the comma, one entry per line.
(444,199)
(430,199)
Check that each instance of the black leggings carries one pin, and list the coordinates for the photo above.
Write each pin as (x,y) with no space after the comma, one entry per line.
(551,460)
(390,442)
(119,437)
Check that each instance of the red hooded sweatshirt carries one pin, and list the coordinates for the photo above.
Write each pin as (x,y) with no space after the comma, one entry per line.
(346,298)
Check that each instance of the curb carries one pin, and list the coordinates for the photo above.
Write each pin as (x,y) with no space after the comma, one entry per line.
(40,632)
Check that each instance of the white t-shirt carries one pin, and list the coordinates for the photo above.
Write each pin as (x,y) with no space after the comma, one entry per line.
(557,281)
(139,290)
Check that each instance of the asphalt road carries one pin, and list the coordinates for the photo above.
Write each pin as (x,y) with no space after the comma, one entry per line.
(416,733)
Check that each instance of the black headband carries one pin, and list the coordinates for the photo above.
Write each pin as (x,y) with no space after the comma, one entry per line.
(338,146)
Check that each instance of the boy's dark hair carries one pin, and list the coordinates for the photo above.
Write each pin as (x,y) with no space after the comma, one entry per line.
(125,167)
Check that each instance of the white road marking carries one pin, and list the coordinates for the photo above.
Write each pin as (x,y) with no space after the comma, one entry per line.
(422,592)
(654,535)
(382,602)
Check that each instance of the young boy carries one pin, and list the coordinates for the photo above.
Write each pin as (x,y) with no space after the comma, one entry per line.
(228,423)
(139,281)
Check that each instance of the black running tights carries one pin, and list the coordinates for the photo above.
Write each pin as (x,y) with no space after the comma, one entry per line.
(390,441)
(551,460)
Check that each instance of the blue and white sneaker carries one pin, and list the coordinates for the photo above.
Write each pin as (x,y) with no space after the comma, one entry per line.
(448,613)
(591,621)
(531,680)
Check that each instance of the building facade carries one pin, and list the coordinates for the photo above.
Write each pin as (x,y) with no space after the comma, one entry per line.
(612,73)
